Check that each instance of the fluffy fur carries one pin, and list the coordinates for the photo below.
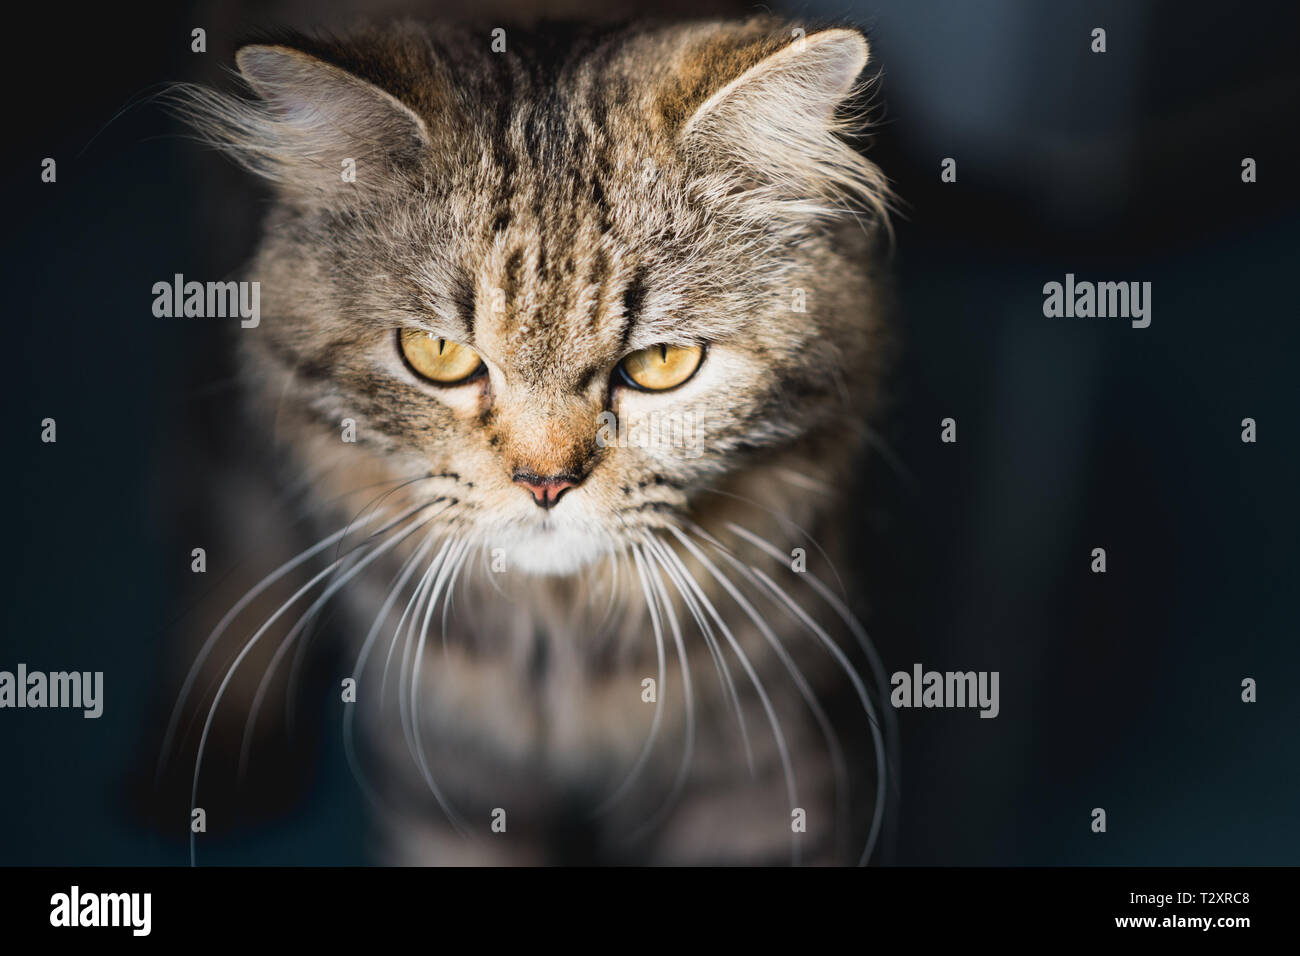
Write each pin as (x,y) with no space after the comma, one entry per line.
(556,206)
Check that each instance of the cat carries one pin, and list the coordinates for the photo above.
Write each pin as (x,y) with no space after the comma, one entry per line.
(570,339)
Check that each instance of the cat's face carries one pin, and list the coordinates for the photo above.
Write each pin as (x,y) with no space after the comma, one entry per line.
(576,289)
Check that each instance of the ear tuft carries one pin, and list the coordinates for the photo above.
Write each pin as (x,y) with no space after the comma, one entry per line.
(811,75)
(310,117)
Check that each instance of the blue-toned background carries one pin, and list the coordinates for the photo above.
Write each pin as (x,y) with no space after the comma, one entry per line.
(1119,691)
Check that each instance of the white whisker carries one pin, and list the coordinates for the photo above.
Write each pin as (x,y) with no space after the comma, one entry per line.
(851,672)
(403,578)
(839,767)
(444,575)
(210,643)
(657,626)
(710,642)
(461,559)
(413,603)
(688,746)
(874,662)
(230,673)
(787,768)
(787,523)
(339,582)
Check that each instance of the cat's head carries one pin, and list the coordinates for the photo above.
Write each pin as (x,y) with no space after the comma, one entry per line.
(581,278)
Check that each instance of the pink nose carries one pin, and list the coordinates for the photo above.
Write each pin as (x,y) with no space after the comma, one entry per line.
(545,491)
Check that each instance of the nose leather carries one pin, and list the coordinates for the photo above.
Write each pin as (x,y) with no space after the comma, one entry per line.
(546,490)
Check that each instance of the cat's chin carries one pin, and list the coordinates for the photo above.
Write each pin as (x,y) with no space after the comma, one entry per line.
(555,551)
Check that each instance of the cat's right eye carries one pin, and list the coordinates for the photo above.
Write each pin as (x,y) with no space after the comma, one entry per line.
(441,361)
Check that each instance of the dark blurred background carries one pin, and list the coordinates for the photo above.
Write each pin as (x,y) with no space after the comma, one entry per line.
(1119,690)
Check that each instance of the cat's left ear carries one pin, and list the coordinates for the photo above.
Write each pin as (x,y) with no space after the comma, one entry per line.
(780,123)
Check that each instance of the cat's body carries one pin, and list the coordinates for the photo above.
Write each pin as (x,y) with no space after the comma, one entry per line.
(555,207)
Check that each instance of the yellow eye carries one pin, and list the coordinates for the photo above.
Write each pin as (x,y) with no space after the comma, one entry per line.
(439,360)
(662,367)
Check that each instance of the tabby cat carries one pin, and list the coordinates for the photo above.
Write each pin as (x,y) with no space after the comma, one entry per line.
(570,337)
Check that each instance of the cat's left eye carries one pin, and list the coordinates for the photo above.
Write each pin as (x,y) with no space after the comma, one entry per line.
(439,360)
(661,367)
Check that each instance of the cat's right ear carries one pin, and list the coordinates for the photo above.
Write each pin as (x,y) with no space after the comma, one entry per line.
(314,130)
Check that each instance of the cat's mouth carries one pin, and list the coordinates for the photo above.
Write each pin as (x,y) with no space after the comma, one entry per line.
(550,547)
(551,544)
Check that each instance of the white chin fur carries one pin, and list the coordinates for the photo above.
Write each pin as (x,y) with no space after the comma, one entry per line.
(557,551)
